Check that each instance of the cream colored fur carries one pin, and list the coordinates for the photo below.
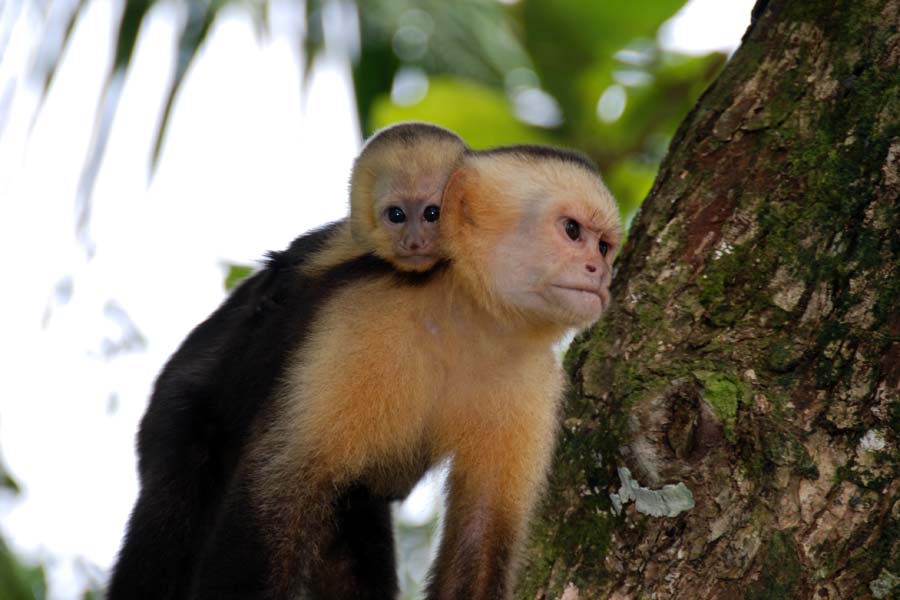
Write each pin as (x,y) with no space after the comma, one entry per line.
(388,169)
(394,378)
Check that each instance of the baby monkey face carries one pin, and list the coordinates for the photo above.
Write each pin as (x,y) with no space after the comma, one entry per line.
(410,214)
(395,193)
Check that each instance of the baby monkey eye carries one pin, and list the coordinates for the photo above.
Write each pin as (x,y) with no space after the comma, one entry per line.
(573,229)
(395,214)
(604,248)
(432,213)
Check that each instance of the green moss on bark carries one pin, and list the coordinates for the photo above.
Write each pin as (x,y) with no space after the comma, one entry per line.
(724,394)
(781,571)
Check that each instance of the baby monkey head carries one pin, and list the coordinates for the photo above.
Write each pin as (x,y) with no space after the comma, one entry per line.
(533,231)
(396,189)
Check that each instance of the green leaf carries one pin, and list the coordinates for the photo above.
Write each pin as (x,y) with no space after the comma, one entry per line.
(8,483)
(236,274)
(314,40)
(481,115)
(95,592)
(129,27)
(17,581)
(6,480)
(50,74)
(630,181)
(126,38)
(373,76)
(196,27)
(573,43)
(591,29)
(468,39)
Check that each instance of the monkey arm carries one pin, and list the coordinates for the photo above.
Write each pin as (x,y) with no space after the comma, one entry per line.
(290,525)
(359,561)
(495,482)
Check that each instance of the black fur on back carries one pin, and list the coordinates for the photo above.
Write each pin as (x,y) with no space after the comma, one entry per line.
(206,402)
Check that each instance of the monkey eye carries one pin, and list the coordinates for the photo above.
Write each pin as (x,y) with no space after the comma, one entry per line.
(604,248)
(432,213)
(573,229)
(395,214)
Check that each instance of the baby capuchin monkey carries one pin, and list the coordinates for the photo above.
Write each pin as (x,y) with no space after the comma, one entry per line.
(395,192)
(395,197)
(360,401)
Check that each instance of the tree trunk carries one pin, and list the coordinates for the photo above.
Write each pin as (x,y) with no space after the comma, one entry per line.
(733,425)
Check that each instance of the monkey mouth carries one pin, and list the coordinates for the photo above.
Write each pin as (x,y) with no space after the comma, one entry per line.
(580,290)
(416,257)
(583,299)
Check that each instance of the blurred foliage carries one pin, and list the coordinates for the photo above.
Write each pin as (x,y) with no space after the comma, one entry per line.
(470,39)
(20,580)
(7,482)
(17,580)
(586,74)
(487,120)
(563,56)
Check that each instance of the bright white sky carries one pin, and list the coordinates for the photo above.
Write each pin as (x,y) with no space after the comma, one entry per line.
(243,170)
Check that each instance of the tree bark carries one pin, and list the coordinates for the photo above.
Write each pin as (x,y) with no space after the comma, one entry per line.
(733,424)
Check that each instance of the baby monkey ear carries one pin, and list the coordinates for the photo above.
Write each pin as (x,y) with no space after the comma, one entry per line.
(458,192)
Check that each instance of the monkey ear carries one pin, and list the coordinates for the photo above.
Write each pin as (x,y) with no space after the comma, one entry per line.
(363,221)
(455,202)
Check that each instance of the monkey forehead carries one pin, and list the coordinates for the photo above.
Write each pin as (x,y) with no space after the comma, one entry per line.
(402,148)
(410,184)
(408,163)
(539,184)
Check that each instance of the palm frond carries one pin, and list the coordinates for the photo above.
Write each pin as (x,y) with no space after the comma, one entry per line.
(132,17)
(194,32)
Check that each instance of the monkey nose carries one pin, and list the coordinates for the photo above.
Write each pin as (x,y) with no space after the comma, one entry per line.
(590,268)
(416,245)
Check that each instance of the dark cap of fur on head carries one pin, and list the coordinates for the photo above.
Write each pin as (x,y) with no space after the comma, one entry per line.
(409,133)
(544,152)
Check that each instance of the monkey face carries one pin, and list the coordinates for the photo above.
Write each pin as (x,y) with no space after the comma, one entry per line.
(411,228)
(563,273)
(540,234)
(395,192)
(575,288)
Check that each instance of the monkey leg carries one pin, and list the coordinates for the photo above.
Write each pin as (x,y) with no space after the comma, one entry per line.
(163,540)
(182,474)
(309,536)
(239,560)
(359,562)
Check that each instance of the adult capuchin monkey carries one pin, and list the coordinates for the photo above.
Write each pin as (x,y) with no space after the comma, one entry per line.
(223,401)
(395,372)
